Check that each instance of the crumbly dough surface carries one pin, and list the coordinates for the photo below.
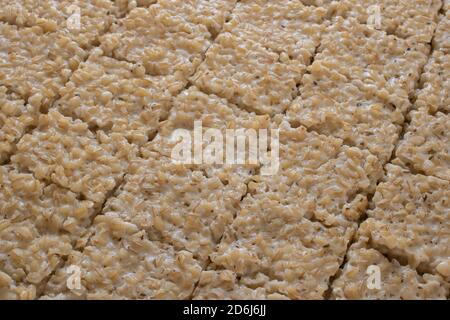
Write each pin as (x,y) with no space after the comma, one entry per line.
(96,96)
(164,196)
(319,177)
(15,118)
(95,17)
(441,39)
(213,112)
(406,19)
(426,144)
(64,151)
(211,14)
(36,64)
(39,226)
(288,28)
(410,220)
(120,262)
(358,86)
(434,90)
(177,204)
(371,59)
(118,97)
(247,74)
(277,252)
(397,281)
(293,229)
(164,43)
(224,285)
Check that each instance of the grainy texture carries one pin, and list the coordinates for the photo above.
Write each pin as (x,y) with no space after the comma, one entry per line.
(426,145)
(406,19)
(188,206)
(259,59)
(65,152)
(397,281)
(92,176)
(441,38)
(248,75)
(375,63)
(357,89)
(318,3)
(124,6)
(364,123)
(410,220)
(15,118)
(276,251)
(285,27)
(52,209)
(211,14)
(117,97)
(164,43)
(35,64)
(434,94)
(211,111)
(310,165)
(319,177)
(224,285)
(39,225)
(292,232)
(178,205)
(28,258)
(120,262)
(82,21)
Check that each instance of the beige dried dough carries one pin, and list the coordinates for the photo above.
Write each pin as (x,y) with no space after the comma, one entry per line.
(356,88)
(91,118)
(292,231)
(406,19)
(333,105)
(320,178)
(120,262)
(188,206)
(117,97)
(16,117)
(95,17)
(285,27)
(211,14)
(441,39)
(434,93)
(397,281)
(211,111)
(35,64)
(27,258)
(410,220)
(248,75)
(164,43)
(224,285)
(385,65)
(50,208)
(318,3)
(65,152)
(178,205)
(124,6)
(425,148)
(39,226)
(277,252)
